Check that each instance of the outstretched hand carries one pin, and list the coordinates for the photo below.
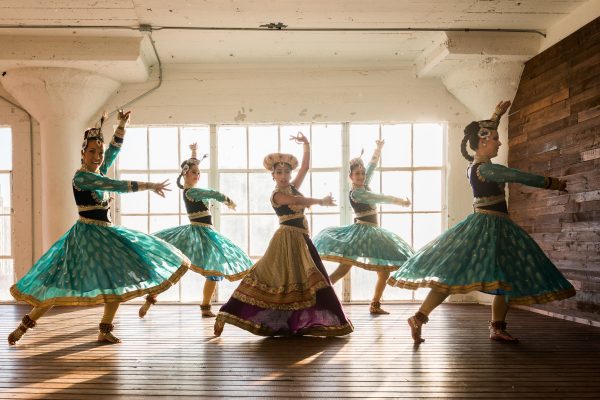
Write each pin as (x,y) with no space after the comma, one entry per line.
(161,188)
(405,202)
(328,201)
(562,186)
(123,117)
(380,144)
(502,107)
(299,138)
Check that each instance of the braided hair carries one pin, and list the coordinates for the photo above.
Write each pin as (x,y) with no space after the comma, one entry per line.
(471,136)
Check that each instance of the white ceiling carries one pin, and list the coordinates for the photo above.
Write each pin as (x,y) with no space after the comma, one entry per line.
(281,47)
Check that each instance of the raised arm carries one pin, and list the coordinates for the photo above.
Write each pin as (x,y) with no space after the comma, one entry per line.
(373,162)
(502,174)
(116,142)
(300,138)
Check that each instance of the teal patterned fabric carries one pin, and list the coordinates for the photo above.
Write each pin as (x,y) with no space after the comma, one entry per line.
(364,245)
(93,264)
(488,253)
(211,253)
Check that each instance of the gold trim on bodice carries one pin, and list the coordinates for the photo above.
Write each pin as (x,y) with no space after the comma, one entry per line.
(93,207)
(199,214)
(488,200)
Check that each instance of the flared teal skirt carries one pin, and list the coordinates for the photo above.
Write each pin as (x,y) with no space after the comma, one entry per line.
(365,245)
(93,264)
(487,253)
(211,253)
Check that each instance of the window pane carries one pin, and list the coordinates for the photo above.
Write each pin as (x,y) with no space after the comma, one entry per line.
(5,236)
(329,268)
(234,186)
(139,223)
(134,153)
(396,183)
(262,228)
(428,145)
(261,186)
(428,191)
(164,148)
(326,145)
(399,224)
(7,279)
(160,222)
(191,287)
(199,135)
(5,196)
(323,184)
(426,228)
(235,228)
(363,137)
(168,204)
(232,146)
(322,221)
(225,289)
(134,202)
(5,148)
(362,284)
(397,150)
(290,146)
(262,141)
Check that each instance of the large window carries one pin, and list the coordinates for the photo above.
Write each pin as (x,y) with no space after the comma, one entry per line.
(7,275)
(411,166)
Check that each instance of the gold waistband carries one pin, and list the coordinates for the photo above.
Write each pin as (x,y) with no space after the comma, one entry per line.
(199,214)
(491,212)
(94,222)
(201,224)
(295,228)
(488,201)
(94,207)
(283,218)
(358,221)
(365,213)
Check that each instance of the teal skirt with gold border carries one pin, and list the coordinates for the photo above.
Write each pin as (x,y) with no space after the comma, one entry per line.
(95,263)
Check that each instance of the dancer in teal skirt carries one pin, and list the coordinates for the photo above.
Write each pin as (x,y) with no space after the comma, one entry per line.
(95,262)
(486,251)
(211,254)
(364,243)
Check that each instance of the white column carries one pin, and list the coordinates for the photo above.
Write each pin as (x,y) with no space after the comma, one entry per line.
(62,100)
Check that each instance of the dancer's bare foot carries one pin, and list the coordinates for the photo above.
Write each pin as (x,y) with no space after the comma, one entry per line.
(218,329)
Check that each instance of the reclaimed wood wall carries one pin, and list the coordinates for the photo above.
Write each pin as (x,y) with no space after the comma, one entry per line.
(554,130)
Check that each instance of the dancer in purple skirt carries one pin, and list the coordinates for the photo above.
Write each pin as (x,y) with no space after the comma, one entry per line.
(287,292)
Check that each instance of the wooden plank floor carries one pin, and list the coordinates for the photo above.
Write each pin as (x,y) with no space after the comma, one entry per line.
(172,353)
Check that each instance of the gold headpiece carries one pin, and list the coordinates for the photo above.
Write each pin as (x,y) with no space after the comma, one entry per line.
(486,127)
(272,160)
(94,133)
(357,162)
